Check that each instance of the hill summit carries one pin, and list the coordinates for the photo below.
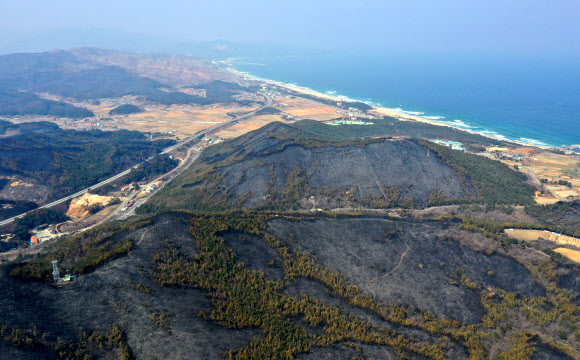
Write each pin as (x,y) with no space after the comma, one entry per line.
(282,167)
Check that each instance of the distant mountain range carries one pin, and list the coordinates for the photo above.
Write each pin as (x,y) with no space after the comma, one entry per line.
(68,38)
(91,73)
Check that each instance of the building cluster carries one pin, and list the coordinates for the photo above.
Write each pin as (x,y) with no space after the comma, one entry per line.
(6,237)
(354,114)
(194,92)
(348,122)
(42,233)
(246,97)
(151,188)
(451,144)
(275,93)
(504,155)
(571,149)
(96,126)
(131,186)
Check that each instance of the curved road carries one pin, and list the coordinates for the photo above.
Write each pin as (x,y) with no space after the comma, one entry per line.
(126,172)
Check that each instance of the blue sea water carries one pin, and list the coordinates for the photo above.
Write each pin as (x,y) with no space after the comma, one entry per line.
(535,101)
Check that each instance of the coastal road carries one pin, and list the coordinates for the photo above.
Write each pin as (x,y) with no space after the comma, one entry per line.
(126,172)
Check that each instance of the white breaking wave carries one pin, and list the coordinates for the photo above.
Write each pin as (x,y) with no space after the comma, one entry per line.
(533,141)
(460,123)
(456,122)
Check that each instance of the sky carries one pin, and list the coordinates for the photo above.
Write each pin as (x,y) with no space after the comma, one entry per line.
(417,26)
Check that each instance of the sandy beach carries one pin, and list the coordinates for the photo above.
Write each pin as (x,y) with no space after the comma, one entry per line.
(380,110)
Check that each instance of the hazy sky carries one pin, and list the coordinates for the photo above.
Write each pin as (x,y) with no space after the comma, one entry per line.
(504,26)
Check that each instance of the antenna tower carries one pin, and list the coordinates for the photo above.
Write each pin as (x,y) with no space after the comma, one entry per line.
(55,272)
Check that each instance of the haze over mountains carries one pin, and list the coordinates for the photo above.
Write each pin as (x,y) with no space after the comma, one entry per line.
(92,73)
(69,38)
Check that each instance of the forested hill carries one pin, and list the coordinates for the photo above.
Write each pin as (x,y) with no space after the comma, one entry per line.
(22,103)
(57,162)
(63,74)
(82,75)
(282,167)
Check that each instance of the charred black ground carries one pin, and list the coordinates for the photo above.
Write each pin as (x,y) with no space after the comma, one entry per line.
(282,167)
(259,286)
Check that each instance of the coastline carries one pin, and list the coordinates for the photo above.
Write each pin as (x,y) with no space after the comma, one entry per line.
(395,113)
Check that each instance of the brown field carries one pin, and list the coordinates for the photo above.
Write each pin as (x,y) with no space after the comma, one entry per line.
(527,151)
(248,125)
(495,148)
(214,111)
(179,120)
(556,167)
(236,130)
(546,198)
(573,255)
(322,117)
(527,235)
(553,167)
(566,193)
(531,235)
(186,122)
(183,120)
(306,109)
(297,103)
(313,111)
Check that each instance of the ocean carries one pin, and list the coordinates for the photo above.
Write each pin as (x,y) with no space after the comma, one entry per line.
(532,101)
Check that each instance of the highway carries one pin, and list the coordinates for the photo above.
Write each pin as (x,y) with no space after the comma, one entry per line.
(126,172)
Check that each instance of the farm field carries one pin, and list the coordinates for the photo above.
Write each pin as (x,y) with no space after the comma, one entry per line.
(556,167)
(569,253)
(248,124)
(306,109)
(532,235)
(551,167)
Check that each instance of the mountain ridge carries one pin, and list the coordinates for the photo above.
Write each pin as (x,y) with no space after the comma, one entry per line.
(282,167)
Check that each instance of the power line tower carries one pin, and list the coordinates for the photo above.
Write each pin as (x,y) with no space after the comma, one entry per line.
(55,272)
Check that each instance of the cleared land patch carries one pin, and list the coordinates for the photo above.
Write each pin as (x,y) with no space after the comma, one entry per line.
(569,253)
(247,125)
(531,235)
(312,111)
